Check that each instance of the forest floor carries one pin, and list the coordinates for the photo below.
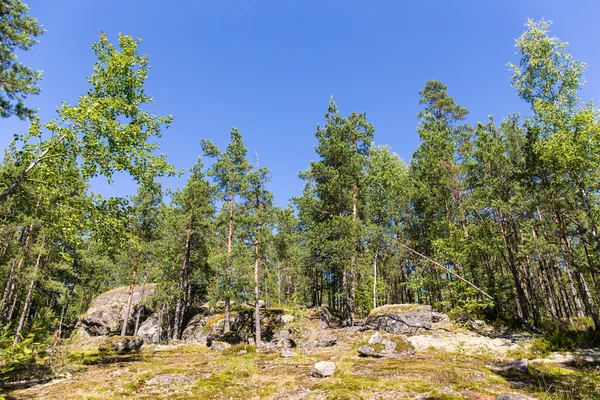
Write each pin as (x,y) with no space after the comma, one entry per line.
(447,365)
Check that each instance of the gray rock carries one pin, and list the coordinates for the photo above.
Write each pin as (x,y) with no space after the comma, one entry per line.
(401,318)
(513,396)
(106,312)
(124,344)
(149,330)
(219,346)
(287,353)
(376,338)
(194,331)
(369,351)
(326,341)
(355,329)
(286,319)
(323,369)
(520,365)
(384,347)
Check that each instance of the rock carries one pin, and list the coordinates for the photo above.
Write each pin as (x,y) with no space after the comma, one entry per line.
(380,346)
(355,329)
(287,353)
(326,341)
(286,319)
(194,331)
(476,324)
(517,366)
(121,345)
(323,316)
(105,314)
(376,338)
(401,318)
(149,330)
(323,369)
(284,343)
(219,346)
(439,318)
(369,351)
(513,396)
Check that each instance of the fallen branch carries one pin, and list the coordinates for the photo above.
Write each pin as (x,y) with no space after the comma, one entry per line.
(526,323)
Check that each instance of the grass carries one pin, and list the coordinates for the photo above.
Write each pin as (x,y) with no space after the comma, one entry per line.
(195,372)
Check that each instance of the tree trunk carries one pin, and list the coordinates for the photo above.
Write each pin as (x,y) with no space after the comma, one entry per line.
(375,281)
(257,338)
(182,287)
(129,299)
(226,317)
(27,304)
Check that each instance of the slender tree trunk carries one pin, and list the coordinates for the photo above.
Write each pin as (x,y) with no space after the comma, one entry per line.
(257,338)
(278,282)
(12,276)
(226,317)
(182,286)
(27,304)
(130,298)
(375,281)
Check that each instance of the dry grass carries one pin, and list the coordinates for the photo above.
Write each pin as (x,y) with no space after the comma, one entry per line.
(195,372)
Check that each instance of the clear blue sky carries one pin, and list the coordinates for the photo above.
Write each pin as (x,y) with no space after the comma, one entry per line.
(269,67)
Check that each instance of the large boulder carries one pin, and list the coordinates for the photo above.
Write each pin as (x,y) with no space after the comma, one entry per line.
(204,328)
(106,312)
(402,318)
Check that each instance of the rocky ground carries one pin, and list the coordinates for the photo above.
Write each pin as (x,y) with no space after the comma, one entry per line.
(399,352)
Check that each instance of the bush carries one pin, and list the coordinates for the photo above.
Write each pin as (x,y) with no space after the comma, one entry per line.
(16,357)
(565,340)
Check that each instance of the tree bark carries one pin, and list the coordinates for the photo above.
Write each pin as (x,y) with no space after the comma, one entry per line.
(182,287)
(226,316)
(129,299)
(27,304)
(257,338)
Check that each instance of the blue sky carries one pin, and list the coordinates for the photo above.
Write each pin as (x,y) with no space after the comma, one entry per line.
(269,67)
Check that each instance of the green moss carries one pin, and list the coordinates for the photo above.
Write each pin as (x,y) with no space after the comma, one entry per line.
(397,308)
(401,344)
(235,349)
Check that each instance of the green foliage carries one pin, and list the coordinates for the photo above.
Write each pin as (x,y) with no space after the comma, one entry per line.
(18,30)
(17,356)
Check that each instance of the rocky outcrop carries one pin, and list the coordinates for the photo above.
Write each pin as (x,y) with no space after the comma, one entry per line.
(403,318)
(323,369)
(106,312)
(380,346)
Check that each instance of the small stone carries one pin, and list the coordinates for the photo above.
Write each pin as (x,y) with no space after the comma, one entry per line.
(517,365)
(368,351)
(286,319)
(513,396)
(376,338)
(323,369)
(219,346)
(327,341)
(287,353)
